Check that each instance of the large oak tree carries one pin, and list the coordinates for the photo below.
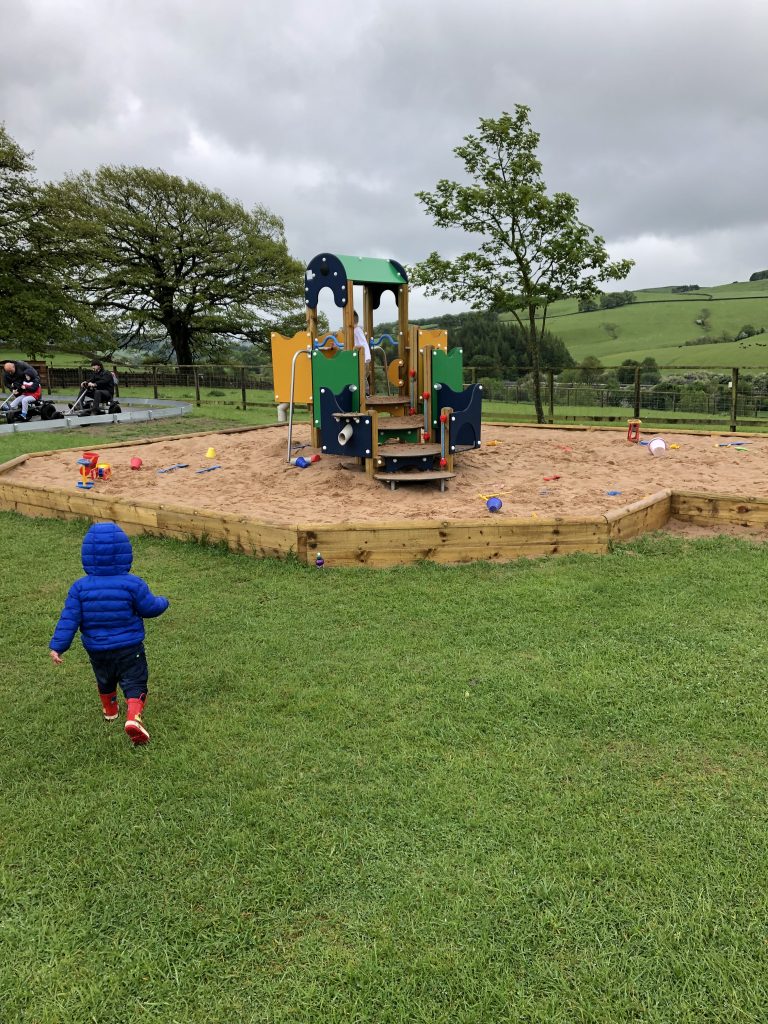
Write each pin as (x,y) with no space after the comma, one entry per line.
(36,311)
(158,257)
(531,247)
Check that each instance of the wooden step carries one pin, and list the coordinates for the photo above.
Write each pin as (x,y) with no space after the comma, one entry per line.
(385,401)
(407,451)
(401,423)
(415,477)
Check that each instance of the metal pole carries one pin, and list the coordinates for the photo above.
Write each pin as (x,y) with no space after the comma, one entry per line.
(305,352)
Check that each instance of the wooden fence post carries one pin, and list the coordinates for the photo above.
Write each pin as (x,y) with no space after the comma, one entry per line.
(734,394)
(197,389)
(551,386)
(242,387)
(154,382)
(637,393)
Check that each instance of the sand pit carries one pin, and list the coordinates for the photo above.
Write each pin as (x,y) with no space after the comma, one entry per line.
(561,491)
(547,472)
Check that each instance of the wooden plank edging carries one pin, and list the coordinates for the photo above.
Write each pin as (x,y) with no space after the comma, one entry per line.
(706,509)
(382,543)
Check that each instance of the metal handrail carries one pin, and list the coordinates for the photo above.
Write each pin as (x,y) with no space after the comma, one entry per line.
(301,352)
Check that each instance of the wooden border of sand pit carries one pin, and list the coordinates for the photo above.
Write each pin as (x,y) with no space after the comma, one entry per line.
(388,543)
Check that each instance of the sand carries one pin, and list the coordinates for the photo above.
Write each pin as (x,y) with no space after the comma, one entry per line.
(541,472)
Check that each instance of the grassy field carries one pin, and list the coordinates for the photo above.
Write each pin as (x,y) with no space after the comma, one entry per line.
(550,808)
(659,323)
(547,809)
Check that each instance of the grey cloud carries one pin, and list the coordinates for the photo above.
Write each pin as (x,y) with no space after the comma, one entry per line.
(653,115)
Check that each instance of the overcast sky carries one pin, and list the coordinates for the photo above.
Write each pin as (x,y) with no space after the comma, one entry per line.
(653,114)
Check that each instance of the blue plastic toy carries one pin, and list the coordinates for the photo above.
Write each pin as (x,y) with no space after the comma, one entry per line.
(493,504)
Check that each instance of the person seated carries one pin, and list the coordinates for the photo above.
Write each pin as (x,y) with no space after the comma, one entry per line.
(361,342)
(100,387)
(23,381)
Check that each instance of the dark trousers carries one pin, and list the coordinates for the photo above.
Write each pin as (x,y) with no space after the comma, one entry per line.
(99,398)
(126,666)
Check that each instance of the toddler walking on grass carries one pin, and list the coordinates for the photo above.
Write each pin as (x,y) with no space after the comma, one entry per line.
(108,606)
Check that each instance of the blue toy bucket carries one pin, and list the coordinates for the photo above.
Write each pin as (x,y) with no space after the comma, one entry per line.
(493,504)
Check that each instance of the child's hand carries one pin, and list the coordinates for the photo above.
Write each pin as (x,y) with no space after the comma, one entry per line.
(56,658)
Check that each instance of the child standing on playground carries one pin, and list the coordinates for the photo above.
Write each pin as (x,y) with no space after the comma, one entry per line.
(108,606)
(362,342)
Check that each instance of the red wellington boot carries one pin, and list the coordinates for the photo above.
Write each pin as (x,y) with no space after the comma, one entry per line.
(133,723)
(109,706)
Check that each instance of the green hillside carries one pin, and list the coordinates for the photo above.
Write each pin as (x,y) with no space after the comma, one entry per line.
(660,322)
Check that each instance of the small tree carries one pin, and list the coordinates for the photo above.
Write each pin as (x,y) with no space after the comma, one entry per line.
(626,372)
(703,319)
(590,369)
(532,248)
(649,371)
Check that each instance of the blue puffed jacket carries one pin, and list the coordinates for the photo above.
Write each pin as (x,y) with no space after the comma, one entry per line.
(108,604)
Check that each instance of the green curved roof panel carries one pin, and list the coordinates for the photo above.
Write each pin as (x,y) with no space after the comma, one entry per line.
(327,270)
(367,270)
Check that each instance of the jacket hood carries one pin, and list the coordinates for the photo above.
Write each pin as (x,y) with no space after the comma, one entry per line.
(106,551)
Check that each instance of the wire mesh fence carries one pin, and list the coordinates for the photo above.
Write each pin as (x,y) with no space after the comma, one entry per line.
(203,385)
(693,396)
(698,395)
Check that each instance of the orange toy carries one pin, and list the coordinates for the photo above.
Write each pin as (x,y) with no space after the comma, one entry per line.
(633,431)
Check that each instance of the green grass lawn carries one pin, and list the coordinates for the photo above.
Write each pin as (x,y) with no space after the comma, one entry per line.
(659,323)
(258,400)
(529,793)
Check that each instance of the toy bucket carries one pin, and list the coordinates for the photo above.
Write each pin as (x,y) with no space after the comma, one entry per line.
(493,504)
(135,462)
(657,446)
